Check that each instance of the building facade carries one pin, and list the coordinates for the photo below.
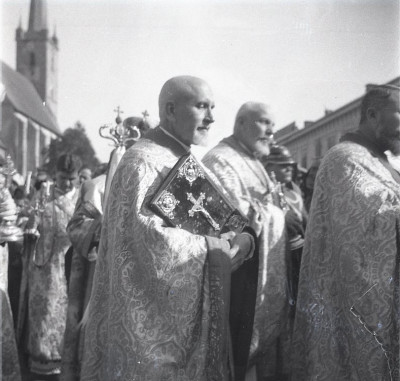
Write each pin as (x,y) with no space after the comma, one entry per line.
(314,140)
(29,94)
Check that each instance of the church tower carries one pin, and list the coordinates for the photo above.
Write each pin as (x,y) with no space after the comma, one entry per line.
(37,54)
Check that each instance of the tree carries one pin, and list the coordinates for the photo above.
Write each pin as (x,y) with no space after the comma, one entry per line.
(75,141)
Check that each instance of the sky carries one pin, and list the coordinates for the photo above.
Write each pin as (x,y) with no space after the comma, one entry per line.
(300,57)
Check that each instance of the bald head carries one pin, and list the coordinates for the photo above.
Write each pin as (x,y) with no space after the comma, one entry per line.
(253,127)
(248,110)
(176,90)
(185,108)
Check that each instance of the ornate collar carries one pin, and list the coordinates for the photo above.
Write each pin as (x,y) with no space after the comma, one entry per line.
(187,148)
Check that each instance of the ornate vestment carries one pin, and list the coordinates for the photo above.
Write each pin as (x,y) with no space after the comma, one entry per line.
(248,185)
(347,317)
(84,232)
(159,306)
(44,287)
(9,364)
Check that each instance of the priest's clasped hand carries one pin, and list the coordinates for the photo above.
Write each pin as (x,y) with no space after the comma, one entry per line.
(242,248)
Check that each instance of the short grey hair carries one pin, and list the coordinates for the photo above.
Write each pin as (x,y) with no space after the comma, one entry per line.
(377,97)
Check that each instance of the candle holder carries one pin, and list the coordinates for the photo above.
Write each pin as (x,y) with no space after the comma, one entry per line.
(38,208)
(9,231)
(44,196)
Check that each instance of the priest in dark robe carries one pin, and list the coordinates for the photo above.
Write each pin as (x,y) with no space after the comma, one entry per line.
(347,318)
(160,303)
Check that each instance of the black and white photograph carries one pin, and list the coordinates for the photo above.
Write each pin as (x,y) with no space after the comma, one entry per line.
(200,190)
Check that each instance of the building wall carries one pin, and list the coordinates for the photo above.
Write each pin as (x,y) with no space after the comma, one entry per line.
(313,141)
(9,130)
(23,138)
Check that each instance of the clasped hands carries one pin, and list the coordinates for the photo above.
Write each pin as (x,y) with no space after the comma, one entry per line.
(241,248)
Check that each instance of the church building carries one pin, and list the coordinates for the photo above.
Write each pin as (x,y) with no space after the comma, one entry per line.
(29,93)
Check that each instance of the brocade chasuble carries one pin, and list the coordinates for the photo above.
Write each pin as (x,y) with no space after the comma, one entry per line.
(160,300)
(347,318)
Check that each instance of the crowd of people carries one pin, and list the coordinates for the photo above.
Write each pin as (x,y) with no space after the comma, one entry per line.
(96,285)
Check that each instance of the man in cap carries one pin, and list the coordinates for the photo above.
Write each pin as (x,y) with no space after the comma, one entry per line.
(235,162)
(280,167)
(160,297)
(347,318)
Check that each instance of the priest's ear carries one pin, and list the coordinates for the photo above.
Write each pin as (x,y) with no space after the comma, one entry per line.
(372,115)
(170,110)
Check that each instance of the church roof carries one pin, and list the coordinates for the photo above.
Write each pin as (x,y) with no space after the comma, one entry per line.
(38,15)
(25,99)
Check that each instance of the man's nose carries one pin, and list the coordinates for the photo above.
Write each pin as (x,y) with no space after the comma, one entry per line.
(209,116)
(268,130)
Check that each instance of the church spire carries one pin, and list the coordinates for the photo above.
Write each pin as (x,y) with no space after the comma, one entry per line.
(38,15)
(37,54)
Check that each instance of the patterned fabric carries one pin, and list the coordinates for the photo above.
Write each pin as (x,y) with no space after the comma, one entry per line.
(85,224)
(46,286)
(9,365)
(248,185)
(158,310)
(347,318)
(84,232)
(115,158)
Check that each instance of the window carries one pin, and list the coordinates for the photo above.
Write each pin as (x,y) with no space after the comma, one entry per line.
(32,62)
(304,161)
(318,148)
(331,141)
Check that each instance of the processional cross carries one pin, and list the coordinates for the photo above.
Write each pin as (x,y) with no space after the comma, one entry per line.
(118,111)
(199,208)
